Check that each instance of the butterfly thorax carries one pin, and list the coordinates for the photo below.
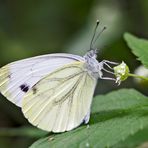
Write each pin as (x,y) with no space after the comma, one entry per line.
(92,65)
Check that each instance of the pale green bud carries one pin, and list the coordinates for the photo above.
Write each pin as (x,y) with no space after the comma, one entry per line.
(121,72)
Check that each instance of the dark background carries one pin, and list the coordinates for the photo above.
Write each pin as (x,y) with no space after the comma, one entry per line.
(30,28)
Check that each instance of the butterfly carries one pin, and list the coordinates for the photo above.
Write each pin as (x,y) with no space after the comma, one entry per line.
(54,91)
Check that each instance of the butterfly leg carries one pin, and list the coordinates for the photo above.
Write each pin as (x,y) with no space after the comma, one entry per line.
(108,78)
(109,62)
(109,70)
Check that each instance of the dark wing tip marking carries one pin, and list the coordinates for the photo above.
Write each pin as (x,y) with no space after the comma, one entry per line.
(24,87)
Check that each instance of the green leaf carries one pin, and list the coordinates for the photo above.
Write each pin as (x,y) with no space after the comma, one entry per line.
(135,140)
(114,117)
(139,47)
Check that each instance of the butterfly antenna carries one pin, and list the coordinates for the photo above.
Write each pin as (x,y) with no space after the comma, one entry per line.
(99,34)
(94,34)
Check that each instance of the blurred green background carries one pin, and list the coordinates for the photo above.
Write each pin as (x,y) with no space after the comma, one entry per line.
(30,28)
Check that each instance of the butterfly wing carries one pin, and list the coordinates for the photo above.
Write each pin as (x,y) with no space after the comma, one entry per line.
(61,101)
(18,77)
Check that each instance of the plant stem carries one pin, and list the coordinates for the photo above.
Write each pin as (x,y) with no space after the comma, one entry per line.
(137,76)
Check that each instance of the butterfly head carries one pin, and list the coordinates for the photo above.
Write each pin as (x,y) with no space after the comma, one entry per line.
(92,53)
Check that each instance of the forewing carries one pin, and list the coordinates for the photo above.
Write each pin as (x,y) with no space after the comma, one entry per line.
(62,100)
(18,77)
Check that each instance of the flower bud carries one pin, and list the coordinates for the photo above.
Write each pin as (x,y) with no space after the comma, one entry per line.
(121,72)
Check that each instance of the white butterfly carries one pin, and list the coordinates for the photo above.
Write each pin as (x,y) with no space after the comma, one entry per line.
(54,91)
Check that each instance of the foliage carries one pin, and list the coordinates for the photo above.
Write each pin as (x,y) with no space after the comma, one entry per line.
(139,47)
